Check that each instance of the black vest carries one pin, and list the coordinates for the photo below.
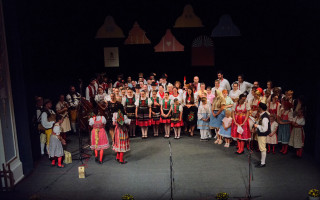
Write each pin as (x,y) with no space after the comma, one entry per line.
(265,115)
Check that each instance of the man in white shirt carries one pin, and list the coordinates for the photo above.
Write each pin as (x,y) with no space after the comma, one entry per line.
(196,83)
(255,85)
(243,85)
(235,92)
(224,83)
(216,87)
(91,91)
(263,130)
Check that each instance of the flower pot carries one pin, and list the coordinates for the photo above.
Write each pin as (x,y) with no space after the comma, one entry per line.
(313,198)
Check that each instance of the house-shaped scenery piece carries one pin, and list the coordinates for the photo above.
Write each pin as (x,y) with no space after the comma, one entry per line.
(168,43)
(188,19)
(225,28)
(137,35)
(109,29)
(202,51)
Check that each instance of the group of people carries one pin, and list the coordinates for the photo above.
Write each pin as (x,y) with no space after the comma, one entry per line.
(241,112)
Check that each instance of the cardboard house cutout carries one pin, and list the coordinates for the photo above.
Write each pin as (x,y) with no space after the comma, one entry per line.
(225,28)
(137,35)
(188,19)
(168,43)
(109,29)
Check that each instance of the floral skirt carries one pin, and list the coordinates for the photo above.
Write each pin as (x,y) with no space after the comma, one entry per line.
(99,139)
(190,115)
(121,142)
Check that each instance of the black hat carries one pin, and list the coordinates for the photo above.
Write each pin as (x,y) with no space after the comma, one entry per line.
(154,84)
(46,101)
(138,87)
(152,74)
(263,106)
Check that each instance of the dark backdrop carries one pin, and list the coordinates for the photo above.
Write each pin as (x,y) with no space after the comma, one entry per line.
(279,42)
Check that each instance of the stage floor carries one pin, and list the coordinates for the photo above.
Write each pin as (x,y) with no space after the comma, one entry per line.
(201,169)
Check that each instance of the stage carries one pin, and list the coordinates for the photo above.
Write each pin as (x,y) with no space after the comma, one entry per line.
(201,169)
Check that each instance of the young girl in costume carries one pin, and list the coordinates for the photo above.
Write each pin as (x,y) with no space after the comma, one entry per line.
(56,142)
(166,114)
(121,143)
(130,109)
(225,128)
(99,139)
(284,126)
(203,119)
(297,133)
(176,118)
(143,113)
(155,113)
(272,137)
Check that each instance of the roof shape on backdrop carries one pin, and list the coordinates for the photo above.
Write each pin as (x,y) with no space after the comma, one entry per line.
(168,43)
(109,29)
(188,19)
(202,51)
(137,35)
(225,28)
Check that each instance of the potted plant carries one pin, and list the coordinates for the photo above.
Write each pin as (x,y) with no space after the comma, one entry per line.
(314,194)
(222,196)
(127,197)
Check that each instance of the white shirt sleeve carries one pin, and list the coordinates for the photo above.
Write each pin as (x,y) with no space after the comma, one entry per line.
(228,85)
(149,102)
(264,126)
(137,103)
(44,121)
(104,121)
(38,115)
(91,121)
(180,108)
(87,94)
(301,122)
(57,130)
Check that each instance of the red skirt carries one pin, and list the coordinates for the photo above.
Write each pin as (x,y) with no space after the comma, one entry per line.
(246,135)
(143,123)
(178,124)
(165,121)
(102,139)
(155,122)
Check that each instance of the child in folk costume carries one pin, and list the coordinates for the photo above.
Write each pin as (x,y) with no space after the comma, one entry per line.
(210,96)
(155,112)
(284,126)
(217,114)
(121,143)
(143,113)
(240,126)
(176,118)
(130,110)
(272,137)
(56,142)
(297,133)
(225,128)
(166,114)
(274,105)
(203,119)
(99,139)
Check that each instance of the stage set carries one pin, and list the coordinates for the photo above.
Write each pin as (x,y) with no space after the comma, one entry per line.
(47,46)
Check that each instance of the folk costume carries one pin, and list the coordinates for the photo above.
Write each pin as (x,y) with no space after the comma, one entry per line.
(121,143)
(240,133)
(73,101)
(218,102)
(130,109)
(91,92)
(99,139)
(65,126)
(48,118)
(297,135)
(143,110)
(155,114)
(284,129)
(273,139)
(263,130)
(203,126)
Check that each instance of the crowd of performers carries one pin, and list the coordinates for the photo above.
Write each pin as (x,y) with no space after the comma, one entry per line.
(242,113)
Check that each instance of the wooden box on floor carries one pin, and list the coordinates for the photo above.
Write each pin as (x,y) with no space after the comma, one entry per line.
(82,173)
